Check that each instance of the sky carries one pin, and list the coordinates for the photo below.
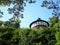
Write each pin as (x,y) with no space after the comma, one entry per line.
(31,13)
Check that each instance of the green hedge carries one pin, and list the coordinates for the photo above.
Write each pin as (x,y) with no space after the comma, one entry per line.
(25,36)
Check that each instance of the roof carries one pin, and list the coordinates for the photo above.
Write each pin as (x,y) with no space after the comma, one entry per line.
(39,20)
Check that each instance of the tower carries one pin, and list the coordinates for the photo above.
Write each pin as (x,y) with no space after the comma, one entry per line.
(39,23)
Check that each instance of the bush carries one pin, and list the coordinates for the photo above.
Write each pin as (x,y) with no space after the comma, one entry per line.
(43,36)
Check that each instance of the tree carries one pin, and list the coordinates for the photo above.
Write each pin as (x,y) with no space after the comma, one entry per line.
(24,36)
(57,25)
(52,4)
(53,21)
(1,23)
(7,23)
(18,7)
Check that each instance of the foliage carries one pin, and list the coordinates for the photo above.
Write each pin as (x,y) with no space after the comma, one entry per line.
(13,36)
(16,9)
(53,20)
(52,4)
(1,23)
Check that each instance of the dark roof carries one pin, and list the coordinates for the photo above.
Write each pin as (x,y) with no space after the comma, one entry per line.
(39,20)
